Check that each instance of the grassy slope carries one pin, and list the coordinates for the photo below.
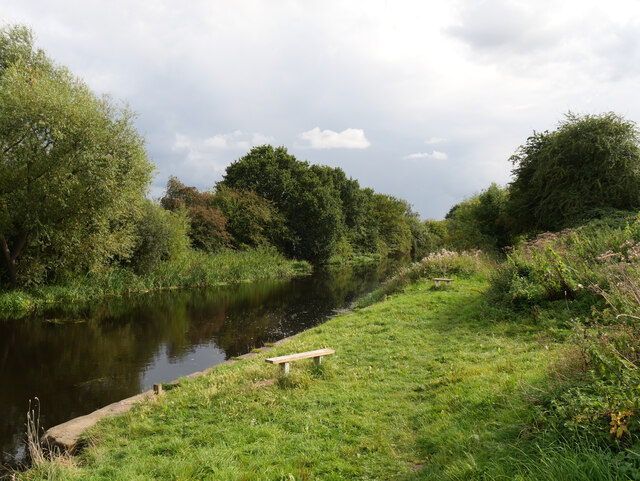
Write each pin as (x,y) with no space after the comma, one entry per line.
(423,386)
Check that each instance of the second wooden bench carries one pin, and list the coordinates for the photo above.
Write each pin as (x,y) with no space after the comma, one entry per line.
(438,280)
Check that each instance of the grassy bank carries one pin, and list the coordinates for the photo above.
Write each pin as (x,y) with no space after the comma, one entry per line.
(194,269)
(425,385)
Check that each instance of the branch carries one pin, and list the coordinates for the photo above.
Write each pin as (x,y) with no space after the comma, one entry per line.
(19,141)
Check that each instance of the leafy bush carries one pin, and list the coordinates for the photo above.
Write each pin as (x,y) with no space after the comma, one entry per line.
(600,264)
(567,264)
(161,235)
(588,163)
(252,221)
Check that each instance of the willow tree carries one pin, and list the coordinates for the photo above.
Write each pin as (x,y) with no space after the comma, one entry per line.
(589,164)
(73,168)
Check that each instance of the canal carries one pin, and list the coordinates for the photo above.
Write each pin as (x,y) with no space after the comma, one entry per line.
(78,358)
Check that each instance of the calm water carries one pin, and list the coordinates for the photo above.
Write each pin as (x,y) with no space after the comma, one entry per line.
(80,359)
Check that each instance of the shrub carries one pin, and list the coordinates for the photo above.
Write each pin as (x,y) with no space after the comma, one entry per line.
(588,163)
(161,235)
(600,263)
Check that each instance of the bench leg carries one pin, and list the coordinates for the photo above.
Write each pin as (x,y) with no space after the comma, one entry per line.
(317,360)
(437,283)
(284,368)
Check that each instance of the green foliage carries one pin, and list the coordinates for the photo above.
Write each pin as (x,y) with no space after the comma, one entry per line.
(327,215)
(17,45)
(437,230)
(422,240)
(161,235)
(478,223)
(208,230)
(313,214)
(252,221)
(73,169)
(588,163)
(566,265)
(391,216)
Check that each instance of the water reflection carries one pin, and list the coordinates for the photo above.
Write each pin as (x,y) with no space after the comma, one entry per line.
(78,359)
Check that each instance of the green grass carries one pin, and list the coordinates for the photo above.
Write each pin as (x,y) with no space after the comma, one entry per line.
(197,269)
(428,384)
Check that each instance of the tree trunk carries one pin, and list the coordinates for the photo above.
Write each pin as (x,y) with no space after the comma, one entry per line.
(11,257)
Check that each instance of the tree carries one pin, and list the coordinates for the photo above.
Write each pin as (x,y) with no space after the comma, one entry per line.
(478,222)
(208,230)
(73,168)
(251,220)
(310,207)
(393,224)
(161,235)
(588,163)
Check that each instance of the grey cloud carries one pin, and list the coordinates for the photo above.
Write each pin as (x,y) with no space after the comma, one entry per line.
(502,26)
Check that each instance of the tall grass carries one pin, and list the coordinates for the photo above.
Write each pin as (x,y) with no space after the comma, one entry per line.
(194,269)
(581,461)
(594,271)
(442,263)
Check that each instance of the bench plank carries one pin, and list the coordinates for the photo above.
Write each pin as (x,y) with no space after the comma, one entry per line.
(438,280)
(300,355)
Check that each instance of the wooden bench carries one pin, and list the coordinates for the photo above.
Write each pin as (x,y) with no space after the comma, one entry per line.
(285,360)
(438,280)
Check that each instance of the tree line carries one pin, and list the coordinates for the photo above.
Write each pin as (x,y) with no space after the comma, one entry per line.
(310,212)
(74,175)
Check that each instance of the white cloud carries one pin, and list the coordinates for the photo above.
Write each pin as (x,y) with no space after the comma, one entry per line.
(435,140)
(199,149)
(328,139)
(207,158)
(259,139)
(426,155)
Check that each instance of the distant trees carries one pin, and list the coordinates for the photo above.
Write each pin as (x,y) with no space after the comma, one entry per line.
(160,235)
(225,217)
(308,202)
(73,169)
(252,220)
(310,212)
(324,212)
(207,224)
(393,228)
(479,222)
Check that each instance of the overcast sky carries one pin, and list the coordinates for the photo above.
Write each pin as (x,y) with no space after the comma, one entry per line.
(423,100)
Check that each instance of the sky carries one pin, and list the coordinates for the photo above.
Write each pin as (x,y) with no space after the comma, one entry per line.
(423,100)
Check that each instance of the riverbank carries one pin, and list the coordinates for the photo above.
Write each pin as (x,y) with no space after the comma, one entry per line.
(429,384)
(195,269)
